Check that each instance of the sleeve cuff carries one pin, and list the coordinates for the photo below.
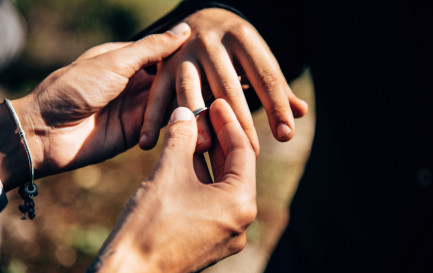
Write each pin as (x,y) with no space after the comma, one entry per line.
(3,198)
(183,10)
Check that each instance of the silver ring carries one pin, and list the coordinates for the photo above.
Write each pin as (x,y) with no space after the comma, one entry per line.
(199,110)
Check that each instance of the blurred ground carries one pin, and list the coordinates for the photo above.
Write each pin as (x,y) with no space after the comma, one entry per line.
(77,210)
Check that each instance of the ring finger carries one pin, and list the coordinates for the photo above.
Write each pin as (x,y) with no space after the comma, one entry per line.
(189,94)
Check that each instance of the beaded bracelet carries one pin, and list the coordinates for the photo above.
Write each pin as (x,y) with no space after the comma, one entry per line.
(28,190)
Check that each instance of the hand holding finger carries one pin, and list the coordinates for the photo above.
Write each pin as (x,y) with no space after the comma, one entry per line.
(180,137)
(189,94)
(187,83)
(146,51)
(101,49)
(237,149)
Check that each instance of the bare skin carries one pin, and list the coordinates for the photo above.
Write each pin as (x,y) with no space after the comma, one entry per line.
(177,222)
(85,112)
(222,47)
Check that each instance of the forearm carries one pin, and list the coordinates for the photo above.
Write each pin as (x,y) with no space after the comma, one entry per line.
(129,246)
(183,10)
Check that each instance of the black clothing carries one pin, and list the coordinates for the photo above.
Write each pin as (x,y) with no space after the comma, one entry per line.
(365,202)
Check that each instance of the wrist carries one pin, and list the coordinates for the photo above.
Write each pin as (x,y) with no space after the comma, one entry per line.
(14,170)
(139,241)
(14,163)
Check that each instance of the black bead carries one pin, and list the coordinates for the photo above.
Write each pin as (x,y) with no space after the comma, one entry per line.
(23,208)
(27,192)
(31,189)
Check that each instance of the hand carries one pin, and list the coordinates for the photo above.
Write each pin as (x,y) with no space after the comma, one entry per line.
(93,108)
(222,47)
(176,222)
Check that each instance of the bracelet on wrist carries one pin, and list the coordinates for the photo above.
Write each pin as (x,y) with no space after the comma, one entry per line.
(29,190)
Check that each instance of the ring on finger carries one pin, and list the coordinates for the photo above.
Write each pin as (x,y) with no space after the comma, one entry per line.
(245,84)
(199,110)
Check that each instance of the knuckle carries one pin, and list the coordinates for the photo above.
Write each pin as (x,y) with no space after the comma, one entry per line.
(269,80)
(278,110)
(242,31)
(249,213)
(177,131)
(205,40)
(152,40)
(230,91)
(239,243)
(246,210)
(114,66)
(151,47)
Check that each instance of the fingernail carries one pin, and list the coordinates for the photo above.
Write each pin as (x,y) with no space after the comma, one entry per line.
(179,29)
(200,139)
(143,139)
(283,130)
(181,114)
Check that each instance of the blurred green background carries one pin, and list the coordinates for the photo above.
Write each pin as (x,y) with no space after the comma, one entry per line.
(77,210)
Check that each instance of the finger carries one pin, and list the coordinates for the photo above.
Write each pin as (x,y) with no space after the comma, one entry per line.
(164,117)
(299,107)
(101,49)
(159,99)
(188,90)
(180,138)
(151,49)
(171,107)
(225,84)
(267,79)
(239,156)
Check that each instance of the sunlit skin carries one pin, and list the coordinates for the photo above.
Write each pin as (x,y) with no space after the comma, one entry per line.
(91,110)
(222,47)
(176,217)
(85,112)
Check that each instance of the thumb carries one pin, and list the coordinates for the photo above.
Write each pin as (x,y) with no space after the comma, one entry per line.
(126,61)
(180,137)
(101,49)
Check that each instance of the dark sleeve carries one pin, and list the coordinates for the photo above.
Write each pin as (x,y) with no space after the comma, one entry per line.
(3,198)
(280,22)
(183,10)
